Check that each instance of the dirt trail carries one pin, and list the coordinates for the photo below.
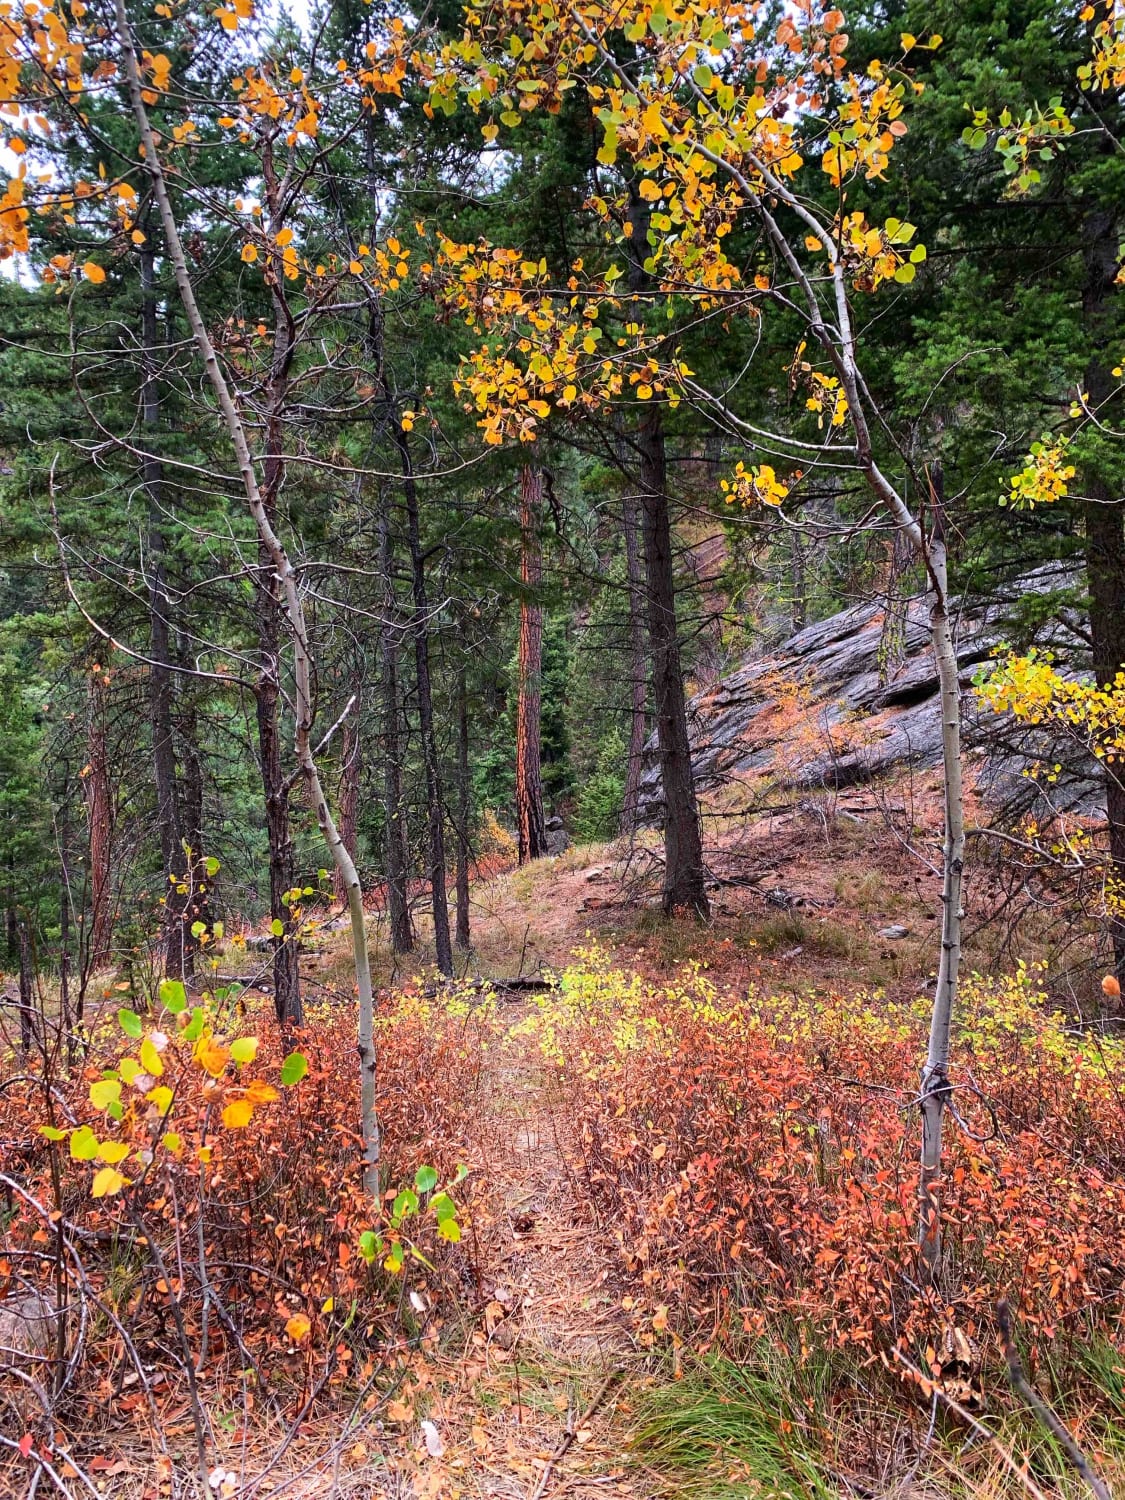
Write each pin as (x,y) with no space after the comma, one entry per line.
(547,1388)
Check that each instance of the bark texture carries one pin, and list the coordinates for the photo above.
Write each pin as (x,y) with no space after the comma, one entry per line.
(684,874)
(99,813)
(395,844)
(348,800)
(462,935)
(178,944)
(530,821)
(1105,542)
(435,804)
(638,715)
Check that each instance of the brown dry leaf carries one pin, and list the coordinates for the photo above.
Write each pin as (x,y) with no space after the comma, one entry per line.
(400,1411)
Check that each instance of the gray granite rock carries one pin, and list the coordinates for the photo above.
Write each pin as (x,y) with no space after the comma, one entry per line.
(864,714)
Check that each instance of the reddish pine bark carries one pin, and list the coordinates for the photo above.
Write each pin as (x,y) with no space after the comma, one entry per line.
(99,810)
(532,834)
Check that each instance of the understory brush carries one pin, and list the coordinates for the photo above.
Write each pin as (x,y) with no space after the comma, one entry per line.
(756,1158)
(193,1214)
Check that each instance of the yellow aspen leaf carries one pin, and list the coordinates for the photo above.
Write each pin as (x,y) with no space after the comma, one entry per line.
(211,1057)
(160,1098)
(285,237)
(260,1093)
(328,1304)
(108,1180)
(249,253)
(150,1059)
(113,1152)
(238,1114)
(93,272)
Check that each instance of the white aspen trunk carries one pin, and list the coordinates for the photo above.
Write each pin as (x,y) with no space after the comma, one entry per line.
(294,610)
(935,1086)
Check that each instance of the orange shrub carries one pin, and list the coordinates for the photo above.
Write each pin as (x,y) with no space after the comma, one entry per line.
(757,1156)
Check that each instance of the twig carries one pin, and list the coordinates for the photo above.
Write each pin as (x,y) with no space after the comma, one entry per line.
(573,1428)
(931,1387)
(1046,1414)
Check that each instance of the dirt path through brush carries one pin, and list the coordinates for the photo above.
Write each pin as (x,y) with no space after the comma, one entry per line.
(547,1388)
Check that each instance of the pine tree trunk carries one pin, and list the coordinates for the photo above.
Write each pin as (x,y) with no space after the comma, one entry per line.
(27,999)
(683,844)
(286,974)
(286,962)
(99,809)
(201,886)
(348,804)
(394,813)
(530,821)
(463,936)
(638,717)
(177,941)
(1105,547)
(443,947)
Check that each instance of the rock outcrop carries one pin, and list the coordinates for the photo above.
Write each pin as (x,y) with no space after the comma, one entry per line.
(851,700)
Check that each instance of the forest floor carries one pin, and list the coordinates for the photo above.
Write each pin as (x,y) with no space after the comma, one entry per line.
(530,1373)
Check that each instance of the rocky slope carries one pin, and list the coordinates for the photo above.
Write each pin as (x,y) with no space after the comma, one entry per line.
(854,699)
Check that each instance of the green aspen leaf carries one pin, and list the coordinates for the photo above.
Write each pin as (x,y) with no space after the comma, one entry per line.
(405,1203)
(425,1179)
(83,1144)
(393,1262)
(212,866)
(173,996)
(294,1068)
(198,929)
(52,1132)
(130,1022)
(370,1244)
(905,273)
(194,1027)
(105,1092)
(449,1229)
(277,927)
(702,76)
(443,1207)
(244,1050)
